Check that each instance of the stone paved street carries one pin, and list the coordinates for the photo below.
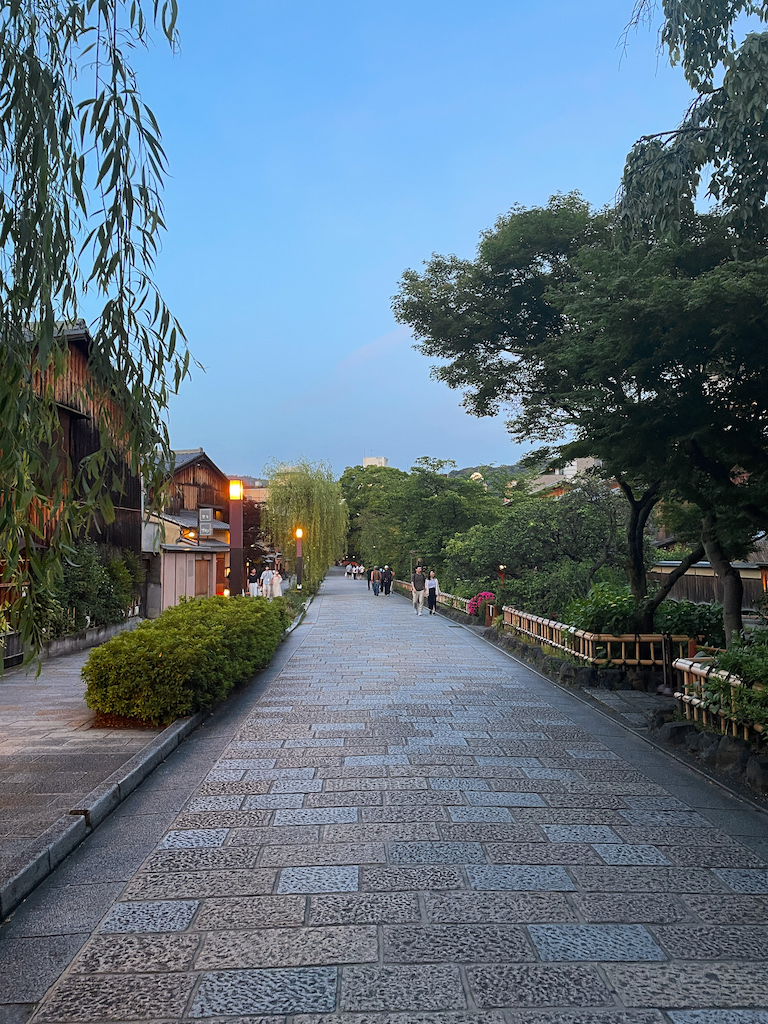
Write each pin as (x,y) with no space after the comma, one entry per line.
(405,826)
(50,754)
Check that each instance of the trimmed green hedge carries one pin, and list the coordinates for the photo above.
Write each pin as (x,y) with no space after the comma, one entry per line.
(186,660)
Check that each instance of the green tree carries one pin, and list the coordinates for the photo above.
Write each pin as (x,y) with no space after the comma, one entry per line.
(649,357)
(552,549)
(306,494)
(725,130)
(81,218)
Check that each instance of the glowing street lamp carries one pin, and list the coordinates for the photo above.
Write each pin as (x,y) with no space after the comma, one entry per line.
(299,557)
(236,537)
(501,572)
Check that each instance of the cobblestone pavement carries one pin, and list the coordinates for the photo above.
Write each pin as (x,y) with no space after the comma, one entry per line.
(50,754)
(408,827)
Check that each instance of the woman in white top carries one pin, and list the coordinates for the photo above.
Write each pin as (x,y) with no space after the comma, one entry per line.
(433,589)
(277,583)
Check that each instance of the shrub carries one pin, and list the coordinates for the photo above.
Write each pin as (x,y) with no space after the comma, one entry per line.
(473,607)
(747,658)
(686,618)
(186,660)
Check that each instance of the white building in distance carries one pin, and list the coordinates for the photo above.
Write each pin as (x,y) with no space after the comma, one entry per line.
(375,460)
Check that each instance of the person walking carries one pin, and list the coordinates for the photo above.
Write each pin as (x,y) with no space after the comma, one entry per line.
(266,583)
(433,589)
(386,580)
(253,582)
(277,583)
(369,574)
(376,581)
(418,583)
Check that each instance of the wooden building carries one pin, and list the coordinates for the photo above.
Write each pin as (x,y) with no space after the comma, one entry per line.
(179,562)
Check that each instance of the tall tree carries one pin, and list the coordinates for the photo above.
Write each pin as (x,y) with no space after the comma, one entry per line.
(81,176)
(725,130)
(306,494)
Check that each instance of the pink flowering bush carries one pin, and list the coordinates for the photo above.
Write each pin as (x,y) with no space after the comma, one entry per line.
(473,605)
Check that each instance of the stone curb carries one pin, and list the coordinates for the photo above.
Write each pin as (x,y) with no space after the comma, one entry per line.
(61,838)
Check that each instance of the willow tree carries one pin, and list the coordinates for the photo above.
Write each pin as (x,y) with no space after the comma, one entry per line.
(81,175)
(307,495)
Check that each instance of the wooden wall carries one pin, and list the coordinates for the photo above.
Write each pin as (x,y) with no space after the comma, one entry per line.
(196,485)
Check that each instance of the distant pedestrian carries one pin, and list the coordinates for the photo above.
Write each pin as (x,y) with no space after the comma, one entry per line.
(253,582)
(370,577)
(433,589)
(266,583)
(418,583)
(376,581)
(277,583)
(386,580)
(348,572)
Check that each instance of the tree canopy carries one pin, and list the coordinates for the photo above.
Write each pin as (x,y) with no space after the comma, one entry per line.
(723,133)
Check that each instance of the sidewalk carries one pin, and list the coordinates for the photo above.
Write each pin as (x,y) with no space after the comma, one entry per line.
(404,826)
(50,754)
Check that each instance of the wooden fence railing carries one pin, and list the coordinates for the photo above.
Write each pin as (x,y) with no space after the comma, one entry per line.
(717,700)
(648,650)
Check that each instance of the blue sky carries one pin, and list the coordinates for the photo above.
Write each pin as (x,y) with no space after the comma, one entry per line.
(318,149)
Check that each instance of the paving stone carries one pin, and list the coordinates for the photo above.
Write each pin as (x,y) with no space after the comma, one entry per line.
(668,836)
(589,1017)
(630,853)
(199,884)
(194,837)
(555,774)
(297,786)
(436,853)
(118,997)
(319,879)
(488,832)
(675,818)
(501,799)
(443,784)
(628,908)
(292,990)
(594,942)
(522,877)
(361,785)
(594,801)
(273,801)
(29,965)
(718,1016)
(729,909)
(289,947)
(364,908)
(692,942)
(424,987)
(351,797)
(456,943)
(155,916)
(522,985)
(443,1017)
(300,835)
(713,856)
(744,880)
(250,912)
(593,755)
(491,814)
(509,762)
(691,985)
(580,834)
(541,853)
(247,762)
(369,760)
(403,813)
(324,853)
(134,954)
(391,879)
(214,803)
(317,816)
(646,879)
(202,859)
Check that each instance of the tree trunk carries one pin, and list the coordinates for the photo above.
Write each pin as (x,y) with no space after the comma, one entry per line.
(640,509)
(733,588)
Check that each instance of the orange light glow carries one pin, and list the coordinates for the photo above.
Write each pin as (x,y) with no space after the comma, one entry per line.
(299,533)
(236,490)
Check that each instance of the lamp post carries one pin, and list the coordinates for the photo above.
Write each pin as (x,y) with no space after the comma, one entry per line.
(299,557)
(236,537)
(501,572)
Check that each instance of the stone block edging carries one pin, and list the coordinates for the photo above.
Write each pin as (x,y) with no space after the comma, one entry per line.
(80,641)
(61,838)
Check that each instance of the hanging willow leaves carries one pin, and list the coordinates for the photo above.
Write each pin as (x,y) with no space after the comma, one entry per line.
(81,175)
(724,134)
(307,495)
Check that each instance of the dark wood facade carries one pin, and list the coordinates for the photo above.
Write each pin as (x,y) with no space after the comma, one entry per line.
(198,483)
(79,409)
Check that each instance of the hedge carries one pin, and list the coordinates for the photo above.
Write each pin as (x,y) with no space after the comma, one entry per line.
(186,660)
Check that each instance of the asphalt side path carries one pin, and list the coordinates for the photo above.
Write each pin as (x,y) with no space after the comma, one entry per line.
(401,825)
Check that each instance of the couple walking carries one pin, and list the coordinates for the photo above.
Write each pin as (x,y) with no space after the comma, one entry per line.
(421,584)
(381,579)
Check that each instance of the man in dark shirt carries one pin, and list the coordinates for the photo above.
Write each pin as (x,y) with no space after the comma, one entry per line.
(418,583)
(386,580)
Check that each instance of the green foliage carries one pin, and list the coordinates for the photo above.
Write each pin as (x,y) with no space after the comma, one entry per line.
(306,495)
(186,660)
(747,658)
(724,130)
(608,608)
(393,513)
(551,549)
(81,221)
